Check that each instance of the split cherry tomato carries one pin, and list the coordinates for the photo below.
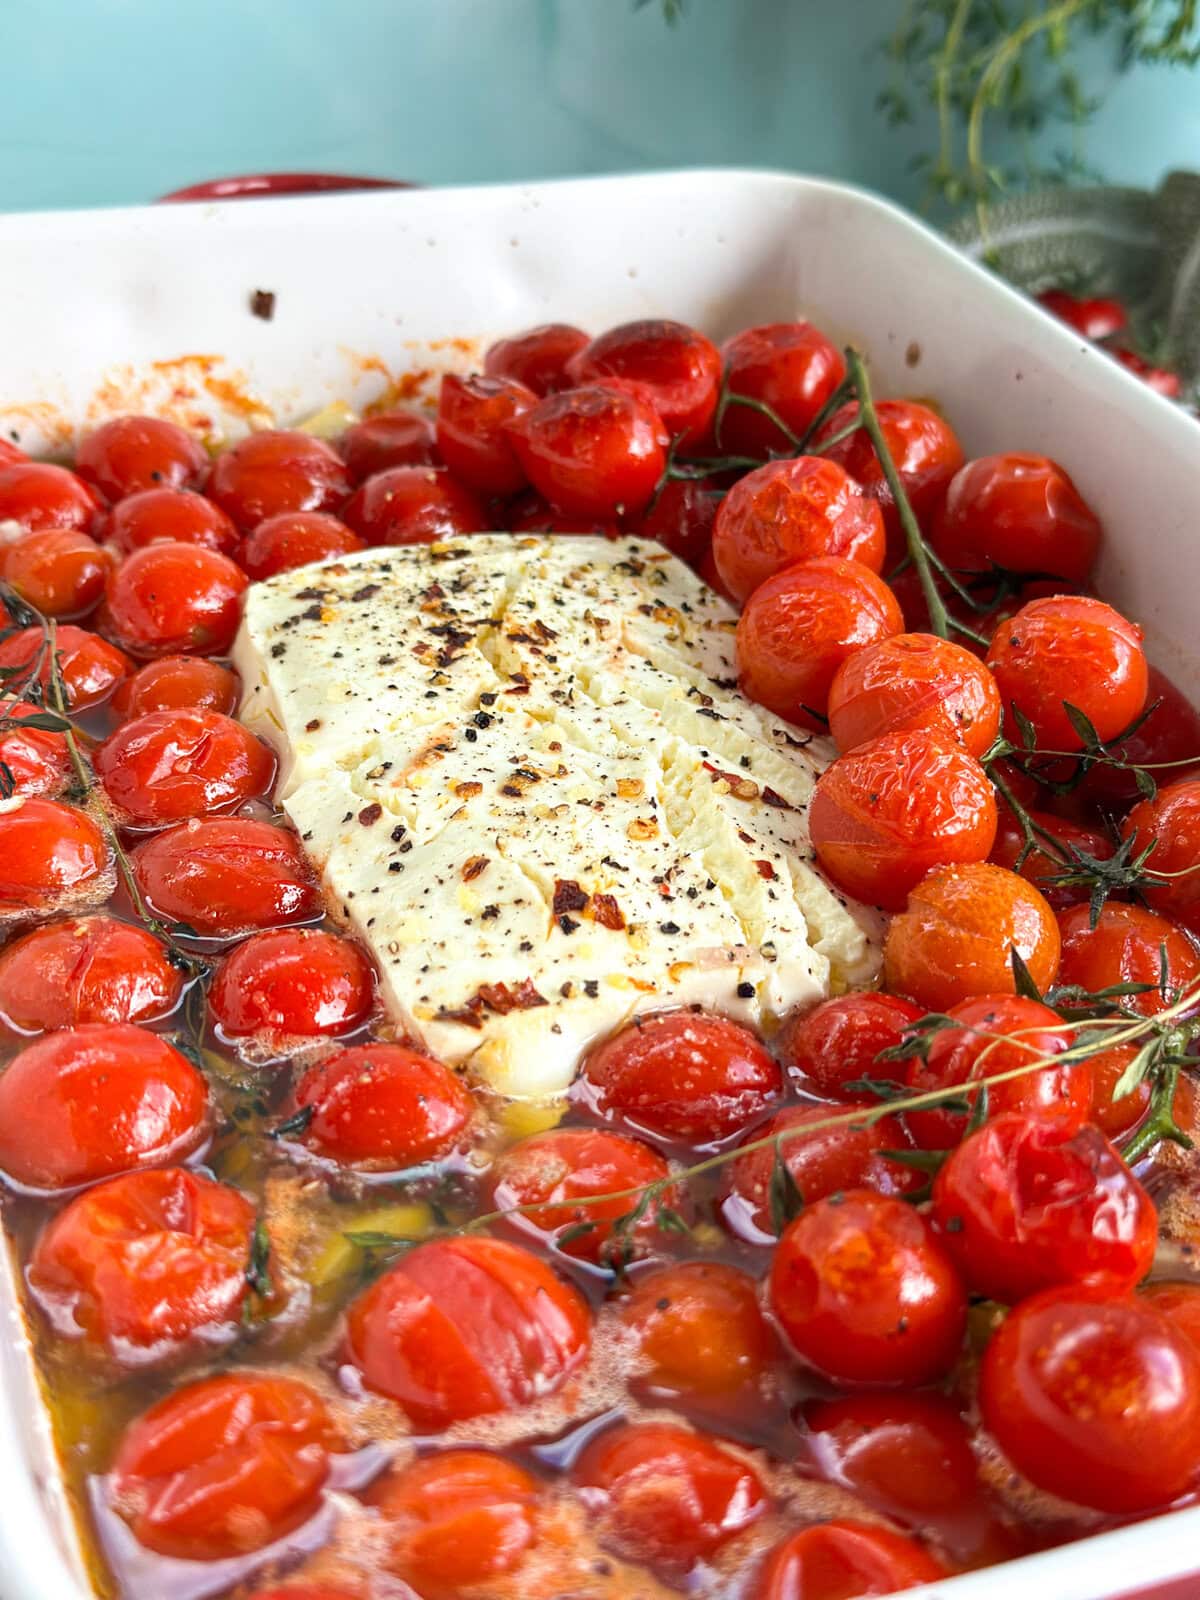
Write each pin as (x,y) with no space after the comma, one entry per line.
(885,814)
(681,518)
(89,667)
(700,1331)
(539,358)
(177,683)
(86,969)
(1172,821)
(474,415)
(392,439)
(299,982)
(383,1105)
(58,570)
(174,599)
(1161,379)
(801,625)
(865,1294)
(413,505)
(844,1560)
(224,1466)
(168,766)
(789,511)
(169,516)
(1095,1399)
(910,681)
(40,497)
(790,367)
(678,366)
(1170,734)
(50,853)
(1179,1303)
(36,758)
(1093,317)
(1127,945)
(1043,864)
(96,1100)
(293,539)
(956,937)
(839,1040)
(226,875)
(666,1495)
(1020,512)
(140,1265)
(597,451)
(462,1328)
(680,1075)
(278,470)
(128,454)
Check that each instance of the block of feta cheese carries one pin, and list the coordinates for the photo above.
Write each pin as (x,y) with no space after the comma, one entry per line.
(524,771)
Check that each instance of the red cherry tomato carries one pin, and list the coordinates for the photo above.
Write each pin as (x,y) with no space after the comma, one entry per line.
(40,497)
(90,668)
(679,1075)
(1161,379)
(801,625)
(140,1265)
(597,451)
(174,599)
(1020,512)
(301,982)
(96,1100)
(1170,734)
(169,516)
(36,758)
(168,766)
(840,1040)
(177,683)
(474,415)
(1127,945)
(1172,821)
(392,439)
(910,681)
(1115,1117)
(1043,864)
(790,367)
(9,453)
(1179,1303)
(844,1560)
(1094,318)
(58,570)
(466,1327)
(679,367)
(529,513)
(225,875)
(882,816)
(293,539)
(50,854)
(700,1332)
(1095,1399)
(414,505)
(86,969)
(668,1496)
(865,1293)
(539,358)
(277,470)
(129,454)
(681,518)
(224,1466)
(383,1105)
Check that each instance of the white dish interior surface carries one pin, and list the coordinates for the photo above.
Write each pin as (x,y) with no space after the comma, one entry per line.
(149,309)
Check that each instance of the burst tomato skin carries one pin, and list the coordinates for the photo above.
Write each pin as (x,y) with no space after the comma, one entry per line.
(167,766)
(413,505)
(884,815)
(225,875)
(789,511)
(48,852)
(1021,512)
(174,599)
(679,367)
(539,358)
(474,415)
(834,1559)
(791,367)
(85,969)
(169,516)
(277,470)
(801,625)
(914,681)
(865,1294)
(392,439)
(383,1105)
(299,982)
(840,1039)
(464,1328)
(130,454)
(60,571)
(1126,947)
(177,683)
(90,667)
(1172,819)
(700,1331)
(94,1101)
(40,497)
(1025,1204)
(293,539)
(595,451)
(37,759)
(679,1075)
(1095,1398)
(1042,864)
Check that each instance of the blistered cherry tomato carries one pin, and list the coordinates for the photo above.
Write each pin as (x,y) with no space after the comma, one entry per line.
(293,539)
(1172,821)
(177,683)
(538,358)
(167,766)
(681,518)
(1179,1302)
(224,875)
(790,367)
(1095,318)
(839,1040)
(224,1466)
(50,854)
(1041,865)
(129,454)
(682,1076)
(466,1327)
(274,471)
(699,1330)
(59,570)
(301,982)
(596,451)
(955,938)
(844,1560)
(914,680)
(413,505)
(1127,945)
(86,969)
(882,816)
(865,1293)
(40,496)
(174,599)
(383,1105)
(89,667)
(96,1100)
(1020,512)
(679,367)
(391,439)
(473,419)
(799,626)
(169,516)
(37,758)
(1161,379)
(139,1265)
(1169,734)
(1095,1399)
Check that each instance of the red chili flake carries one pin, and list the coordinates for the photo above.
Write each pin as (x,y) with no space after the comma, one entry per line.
(500,998)
(607,912)
(262,304)
(770,798)
(568,896)
(765,869)
(473,867)
(370,814)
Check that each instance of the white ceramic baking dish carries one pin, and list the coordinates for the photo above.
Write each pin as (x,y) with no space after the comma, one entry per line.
(151,308)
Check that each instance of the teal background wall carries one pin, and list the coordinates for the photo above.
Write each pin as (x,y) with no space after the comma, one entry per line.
(108,101)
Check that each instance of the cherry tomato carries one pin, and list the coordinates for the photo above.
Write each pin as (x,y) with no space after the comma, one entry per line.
(1161,379)
(86,969)
(128,454)
(1019,512)
(10,453)
(1093,317)
(568,1164)
(1026,1203)
(301,982)
(224,1466)
(679,367)
(36,758)
(1179,1303)
(681,1075)
(413,505)
(790,367)
(174,599)
(668,1496)
(882,816)
(595,451)
(49,853)
(538,358)
(681,518)
(277,470)
(529,513)
(1043,863)
(1127,945)
(167,766)
(911,681)
(839,1040)
(455,1518)
(1095,1399)
(58,570)
(467,1327)
(96,1100)
(391,439)
(89,667)
(1172,821)
(39,497)
(1069,650)
(801,625)
(865,1293)
(1170,734)
(843,1560)
(956,937)
(177,683)
(699,1330)
(293,539)
(383,1105)
(789,511)
(474,415)
(139,1265)
(169,516)
(1115,1117)
(225,875)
